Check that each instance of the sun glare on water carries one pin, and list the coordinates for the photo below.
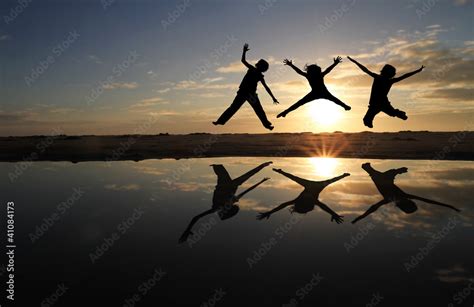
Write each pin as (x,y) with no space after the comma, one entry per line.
(324,166)
(325,112)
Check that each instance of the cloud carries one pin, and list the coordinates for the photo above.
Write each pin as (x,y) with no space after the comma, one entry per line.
(162,91)
(232,68)
(4,37)
(128,187)
(121,85)
(193,85)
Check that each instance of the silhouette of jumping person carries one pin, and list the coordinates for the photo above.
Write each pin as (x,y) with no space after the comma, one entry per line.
(384,181)
(224,199)
(318,89)
(308,199)
(248,92)
(379,94)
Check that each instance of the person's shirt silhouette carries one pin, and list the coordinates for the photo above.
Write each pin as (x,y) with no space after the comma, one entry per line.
(308,199)
(384,181)
(224,200)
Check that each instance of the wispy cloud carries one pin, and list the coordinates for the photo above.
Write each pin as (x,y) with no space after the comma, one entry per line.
(121,85)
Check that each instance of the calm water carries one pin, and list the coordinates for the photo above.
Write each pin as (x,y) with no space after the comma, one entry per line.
(91,233)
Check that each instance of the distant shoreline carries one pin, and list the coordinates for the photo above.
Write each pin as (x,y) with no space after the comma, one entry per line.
(367,145)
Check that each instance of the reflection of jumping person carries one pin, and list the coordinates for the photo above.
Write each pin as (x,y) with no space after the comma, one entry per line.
(248,92)
(378,96)
(318,89)
(384,181)
(307,200)
(224,199)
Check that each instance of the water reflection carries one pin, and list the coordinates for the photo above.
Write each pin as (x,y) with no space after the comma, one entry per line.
(308,199)
(384,181)
(224,200)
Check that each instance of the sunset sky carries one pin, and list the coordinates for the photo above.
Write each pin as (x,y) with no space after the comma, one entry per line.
(108,67)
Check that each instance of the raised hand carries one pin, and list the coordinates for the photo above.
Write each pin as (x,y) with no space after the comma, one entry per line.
(267,163)
(338,60)
(337,218)
(185,235)
(275,101)
(288,62)
(246,47)
(278,170)
(422,67)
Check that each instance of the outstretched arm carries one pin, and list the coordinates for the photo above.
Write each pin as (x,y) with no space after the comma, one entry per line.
(371,210)
(188,231)
(251,188)
(244,61)
(266,215)
(397,171)
(275,101)
(336,61)
(434,202)
(363,68)
(403,77)
(290,63)
(334,216)
(369,169)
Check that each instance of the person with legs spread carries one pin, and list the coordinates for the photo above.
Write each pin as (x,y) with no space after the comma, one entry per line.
(318,89)
(307,199)
(379,94)
(384,181)
(248,92)
(225,199)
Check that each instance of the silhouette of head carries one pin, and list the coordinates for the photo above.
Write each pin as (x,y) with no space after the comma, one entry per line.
(388,71)
(406,205)
(228,211)
(262,65)
(313,69)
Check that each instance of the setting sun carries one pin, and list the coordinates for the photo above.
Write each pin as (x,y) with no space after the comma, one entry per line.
(324,112)
(324,166)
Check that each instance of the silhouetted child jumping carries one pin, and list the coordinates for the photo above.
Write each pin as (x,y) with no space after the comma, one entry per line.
(248,92)
(379,94)
(385,183)
(308,199)
(316,81)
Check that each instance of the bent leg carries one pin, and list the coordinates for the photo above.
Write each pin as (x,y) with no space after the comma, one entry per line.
(257,107)
(234,107)
(309,97)
(336,100)
(370,115)
(391,111)
(247,175)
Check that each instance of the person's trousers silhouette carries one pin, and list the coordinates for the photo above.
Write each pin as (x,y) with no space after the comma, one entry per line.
(239,100)
(386,108)
(313,96)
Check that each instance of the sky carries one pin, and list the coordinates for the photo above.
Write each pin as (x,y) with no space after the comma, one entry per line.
(147,67)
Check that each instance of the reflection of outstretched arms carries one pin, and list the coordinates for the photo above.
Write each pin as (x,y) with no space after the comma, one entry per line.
(290,63)
(241,179)
(397,171)
(363,68)
(334,216)
(188,231)
(266,215)
(407,75)
(434,202)
(371,210)
(275,101)
(296,179)
(335,179)
(244,61)
(251,188)
(336,61)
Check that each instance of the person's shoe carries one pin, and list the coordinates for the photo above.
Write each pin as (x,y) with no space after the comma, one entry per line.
(347,108)
(282,114)
(269,127)
(216,123)
(367,124)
